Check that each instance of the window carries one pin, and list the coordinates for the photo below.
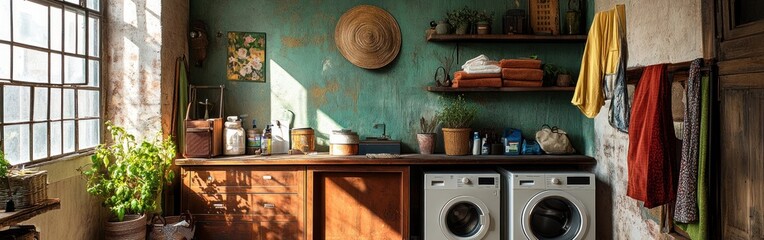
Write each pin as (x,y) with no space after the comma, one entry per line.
(49,78)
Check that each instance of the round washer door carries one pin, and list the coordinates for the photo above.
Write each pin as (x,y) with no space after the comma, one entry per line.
(554,215)
(464,218)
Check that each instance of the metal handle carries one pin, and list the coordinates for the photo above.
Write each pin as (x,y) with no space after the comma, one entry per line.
(218,206)
(267,177)
(269,205)
(210,179)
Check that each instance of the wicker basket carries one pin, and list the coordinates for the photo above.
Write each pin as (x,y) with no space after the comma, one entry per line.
(545,16)
(28,187)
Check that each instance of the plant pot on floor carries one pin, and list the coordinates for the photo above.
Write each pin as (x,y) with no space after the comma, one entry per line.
(456,141)
(133,227)
(426,142)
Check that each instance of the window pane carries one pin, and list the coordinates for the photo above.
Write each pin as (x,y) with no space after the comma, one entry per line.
(70,31)
(16,140)
(87,103)
(81,27)
(55,104)
(68,103)
(74,70)
(55,138)
(89,133)
(68,136)
(94,73)
(5,20)
(93,37)
(55,68)
(40,104)
(39,140)
(74,1)
(94,4)
(30,21)
(5,61)
(56,26)
(16,103)
(30,65)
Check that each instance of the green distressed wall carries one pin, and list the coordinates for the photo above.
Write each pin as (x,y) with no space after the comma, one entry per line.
(308,75)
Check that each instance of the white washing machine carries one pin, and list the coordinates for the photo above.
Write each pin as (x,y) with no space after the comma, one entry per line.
(462,206)
(549,205)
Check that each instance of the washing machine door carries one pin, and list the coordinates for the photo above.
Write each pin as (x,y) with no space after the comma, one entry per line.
(555,215)
(464,218)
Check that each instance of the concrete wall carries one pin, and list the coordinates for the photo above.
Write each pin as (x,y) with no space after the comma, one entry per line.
(658,32)
(308,75)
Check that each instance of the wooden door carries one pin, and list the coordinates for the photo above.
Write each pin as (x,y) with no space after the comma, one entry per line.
(740,184)
(358,203)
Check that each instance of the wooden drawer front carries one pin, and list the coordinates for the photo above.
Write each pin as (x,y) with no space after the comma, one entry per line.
(286,230)
(246,204)
(213,180)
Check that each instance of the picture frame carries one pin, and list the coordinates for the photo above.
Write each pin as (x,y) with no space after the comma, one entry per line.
(246,60)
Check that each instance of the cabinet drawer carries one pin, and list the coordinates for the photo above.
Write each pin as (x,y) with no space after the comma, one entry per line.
(213,180)
(288,205)
(286,230)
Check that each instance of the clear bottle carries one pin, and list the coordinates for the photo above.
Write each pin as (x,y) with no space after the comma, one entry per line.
(476,144)
(234,137)
(266,141)
(254,139)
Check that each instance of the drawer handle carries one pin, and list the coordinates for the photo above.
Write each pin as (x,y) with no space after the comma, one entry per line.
(210,179)
(269,205)
(218,206)
(267,177)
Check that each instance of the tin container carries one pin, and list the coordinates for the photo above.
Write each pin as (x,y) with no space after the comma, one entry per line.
(303,139)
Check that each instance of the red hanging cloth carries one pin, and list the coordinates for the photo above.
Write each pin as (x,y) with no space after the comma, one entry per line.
(652,167)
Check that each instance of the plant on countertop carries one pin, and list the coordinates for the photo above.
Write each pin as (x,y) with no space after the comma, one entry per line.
(129,175)
(457,113)
(4,167)
(428,126)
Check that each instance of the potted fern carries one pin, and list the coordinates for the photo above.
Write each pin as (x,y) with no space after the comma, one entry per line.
(129,176)
(456,117)
(426,137)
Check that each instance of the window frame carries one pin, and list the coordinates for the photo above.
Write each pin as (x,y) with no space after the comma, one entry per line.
(63,86)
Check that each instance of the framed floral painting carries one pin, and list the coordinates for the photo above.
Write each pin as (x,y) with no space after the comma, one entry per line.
(246,56)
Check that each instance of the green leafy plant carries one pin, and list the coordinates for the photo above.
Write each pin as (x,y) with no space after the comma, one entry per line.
(551,71)
(428,126)
(457,113)
(483,16)
(129,175)
(4,165)
(461,16)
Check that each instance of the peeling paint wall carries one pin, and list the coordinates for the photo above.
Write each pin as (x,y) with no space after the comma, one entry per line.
(308,76)
(658,32)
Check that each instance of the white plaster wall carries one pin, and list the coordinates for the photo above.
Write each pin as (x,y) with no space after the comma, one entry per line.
(657,32)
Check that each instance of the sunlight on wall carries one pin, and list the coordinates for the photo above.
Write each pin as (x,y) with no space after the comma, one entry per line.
(287,94)
(130,13)
(325,126)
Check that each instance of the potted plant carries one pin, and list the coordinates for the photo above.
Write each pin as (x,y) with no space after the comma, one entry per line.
(460,19)
(129,176)
(10,206)
(426,137)
(483,20)
(564,79)
(456,117)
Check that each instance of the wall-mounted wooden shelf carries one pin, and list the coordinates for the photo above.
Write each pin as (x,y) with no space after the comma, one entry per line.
(503,89)
(504,38)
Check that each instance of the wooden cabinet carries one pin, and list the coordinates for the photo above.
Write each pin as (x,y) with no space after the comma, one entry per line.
(358,203)
(245,202)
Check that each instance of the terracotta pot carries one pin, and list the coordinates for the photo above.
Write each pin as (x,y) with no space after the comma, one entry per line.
(564,80)
(133,227)
(426,142)
(456,141)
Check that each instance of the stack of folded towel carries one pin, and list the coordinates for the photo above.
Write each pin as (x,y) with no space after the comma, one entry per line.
(521,73)
(478,72)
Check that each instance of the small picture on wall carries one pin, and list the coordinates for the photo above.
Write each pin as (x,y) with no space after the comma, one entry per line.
(246,56)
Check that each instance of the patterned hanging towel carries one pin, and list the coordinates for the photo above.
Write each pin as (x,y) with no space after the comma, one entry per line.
(687,193)
(652,169)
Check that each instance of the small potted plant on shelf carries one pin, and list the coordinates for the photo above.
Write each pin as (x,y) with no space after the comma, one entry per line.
(426,137)
(456,117)
(483,20)
(564,79)
(460,19)
(129,177)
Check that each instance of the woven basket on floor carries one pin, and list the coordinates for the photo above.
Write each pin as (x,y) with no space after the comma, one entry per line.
(545,16)
(29,187)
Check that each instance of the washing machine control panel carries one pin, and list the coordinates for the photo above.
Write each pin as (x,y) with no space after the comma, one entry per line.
(458,181)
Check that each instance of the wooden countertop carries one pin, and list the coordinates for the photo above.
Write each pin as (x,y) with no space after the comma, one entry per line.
(20,215)
(406,159)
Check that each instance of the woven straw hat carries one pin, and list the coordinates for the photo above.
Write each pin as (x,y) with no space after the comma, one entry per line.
(368,36)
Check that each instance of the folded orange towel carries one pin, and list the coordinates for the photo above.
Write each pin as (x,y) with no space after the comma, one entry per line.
(482,82)
(515,83)
(462,75)
(522,74)
(520,63)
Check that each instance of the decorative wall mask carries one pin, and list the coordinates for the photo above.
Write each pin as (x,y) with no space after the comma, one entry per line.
(198,42)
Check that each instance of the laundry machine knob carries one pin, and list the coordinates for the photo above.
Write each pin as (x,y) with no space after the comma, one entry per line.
(556,181)
(465,180)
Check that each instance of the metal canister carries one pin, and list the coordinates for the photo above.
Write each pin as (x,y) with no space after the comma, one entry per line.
(303,139)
